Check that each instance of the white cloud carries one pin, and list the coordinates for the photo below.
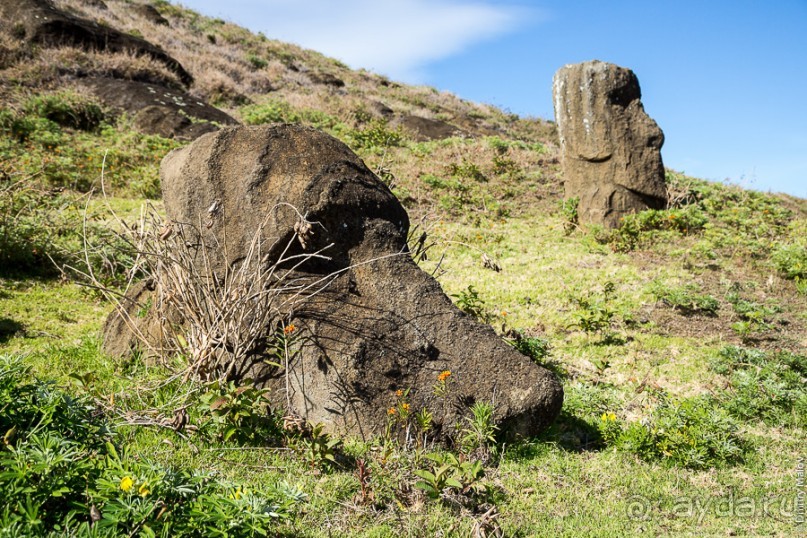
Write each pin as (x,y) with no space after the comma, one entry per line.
(394,37)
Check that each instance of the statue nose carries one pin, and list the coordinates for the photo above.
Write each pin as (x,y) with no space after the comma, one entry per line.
(655,136)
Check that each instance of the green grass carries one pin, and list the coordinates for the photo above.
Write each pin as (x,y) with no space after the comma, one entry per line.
(572,481)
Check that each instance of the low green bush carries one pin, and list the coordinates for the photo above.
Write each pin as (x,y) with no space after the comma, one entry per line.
(639,228)
(767,385)
(376,135)
(791,261)
(68,109)
(686,299)
(269,112)
(469,301)
(238,412)
(62,471)
(754,317)
(534,347)
(693,433)
(569,212)
(595,310)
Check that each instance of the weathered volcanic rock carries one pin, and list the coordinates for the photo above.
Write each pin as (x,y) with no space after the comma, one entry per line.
(159,110)
(39,22)
(383,324)
(100,4)
(327,79)
(150,13)
(610,148)
(423,129)
(380,110)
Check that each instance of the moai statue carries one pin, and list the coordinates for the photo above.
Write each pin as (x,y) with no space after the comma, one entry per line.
(610,148)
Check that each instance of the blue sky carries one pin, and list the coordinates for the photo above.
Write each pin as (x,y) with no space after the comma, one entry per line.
(725,79)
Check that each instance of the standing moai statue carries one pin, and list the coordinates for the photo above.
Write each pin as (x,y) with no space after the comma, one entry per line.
(610,148)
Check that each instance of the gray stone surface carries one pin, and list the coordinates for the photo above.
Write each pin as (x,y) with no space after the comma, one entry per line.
(383,324)
(610,148)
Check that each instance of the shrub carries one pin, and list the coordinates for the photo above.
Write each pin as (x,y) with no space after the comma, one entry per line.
(686,299)
(638,228)
(469,301)
(68,109)
(60,470)
(770,386)
(754,317)
(791,261)
(691,433)
(240,413)
(376,135)
(256,61)
(535,348)
(451,475)
(595,311)
(569,212)
(480,430)
(467,170)
(270,112)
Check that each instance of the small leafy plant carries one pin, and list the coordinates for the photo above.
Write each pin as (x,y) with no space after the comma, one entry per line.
(754,317)
(569,212)
(319,448)
(770,386)
(471,303)
(595,313)
(693,433)
(240,413)
(377,135)
(686,299)
(534,347)
(610,428)
(479,432)
(791,261)
(450,474)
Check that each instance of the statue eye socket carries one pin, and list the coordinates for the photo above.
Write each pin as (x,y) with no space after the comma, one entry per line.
(623,96)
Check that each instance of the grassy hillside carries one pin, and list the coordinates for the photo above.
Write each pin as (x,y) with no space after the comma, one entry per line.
(680,338)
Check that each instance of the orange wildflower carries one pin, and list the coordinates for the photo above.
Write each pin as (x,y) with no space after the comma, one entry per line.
(445,374)
(391,411)
(290,328)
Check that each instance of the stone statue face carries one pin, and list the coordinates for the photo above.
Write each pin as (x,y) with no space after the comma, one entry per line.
(611,149)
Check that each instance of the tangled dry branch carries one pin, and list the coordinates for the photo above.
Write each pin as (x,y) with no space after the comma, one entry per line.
(214,314)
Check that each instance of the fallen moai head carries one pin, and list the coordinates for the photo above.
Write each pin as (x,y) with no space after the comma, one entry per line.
(381,324)
(158,110)
(610,148)
(41,23)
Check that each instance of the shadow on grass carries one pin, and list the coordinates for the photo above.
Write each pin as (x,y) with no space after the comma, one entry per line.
(9,329)
(568,433)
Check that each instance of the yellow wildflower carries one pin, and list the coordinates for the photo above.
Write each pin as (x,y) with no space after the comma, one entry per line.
(126,483)
(144,490)
(405,407)
(399,393)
